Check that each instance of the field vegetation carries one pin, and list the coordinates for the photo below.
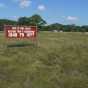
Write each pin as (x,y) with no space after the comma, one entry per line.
(60,60)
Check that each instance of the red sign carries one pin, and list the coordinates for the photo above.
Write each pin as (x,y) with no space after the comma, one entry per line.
(20,31)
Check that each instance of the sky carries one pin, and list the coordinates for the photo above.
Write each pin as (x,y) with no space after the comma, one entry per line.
(53,11)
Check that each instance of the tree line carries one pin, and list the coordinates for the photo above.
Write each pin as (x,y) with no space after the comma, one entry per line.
(37,20)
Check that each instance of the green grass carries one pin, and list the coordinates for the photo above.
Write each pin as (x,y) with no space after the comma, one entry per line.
(60,60)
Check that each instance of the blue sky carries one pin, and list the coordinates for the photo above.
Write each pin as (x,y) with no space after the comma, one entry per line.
(61,11)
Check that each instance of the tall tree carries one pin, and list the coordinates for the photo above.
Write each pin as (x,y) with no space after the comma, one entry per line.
(6,22)
(35,20)
(55,26)
(38,21)
(23,21)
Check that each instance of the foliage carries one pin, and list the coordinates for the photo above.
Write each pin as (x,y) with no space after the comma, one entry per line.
(6,22)
(55,26)
(34,20)
(37,20)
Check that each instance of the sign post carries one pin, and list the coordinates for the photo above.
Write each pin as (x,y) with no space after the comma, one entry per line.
(21,32)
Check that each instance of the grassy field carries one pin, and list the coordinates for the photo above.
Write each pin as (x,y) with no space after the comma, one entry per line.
(59,61)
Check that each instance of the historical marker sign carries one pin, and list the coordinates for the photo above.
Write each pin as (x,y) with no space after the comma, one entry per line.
(20,31)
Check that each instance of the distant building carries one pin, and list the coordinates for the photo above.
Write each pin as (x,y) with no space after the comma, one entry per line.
(60,31)
(54,30)
(57,31)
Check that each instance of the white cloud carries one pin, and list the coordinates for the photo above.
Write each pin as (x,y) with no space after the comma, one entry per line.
(24,3)
(41,7)
(72,18)
(2,5)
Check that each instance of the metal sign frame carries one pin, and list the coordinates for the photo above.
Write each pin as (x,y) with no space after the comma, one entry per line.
(21,33)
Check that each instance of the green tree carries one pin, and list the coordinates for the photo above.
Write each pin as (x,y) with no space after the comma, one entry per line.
(84,28)
(23,21)
(38,21)
(6,22)
(55,26)
(34,20)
